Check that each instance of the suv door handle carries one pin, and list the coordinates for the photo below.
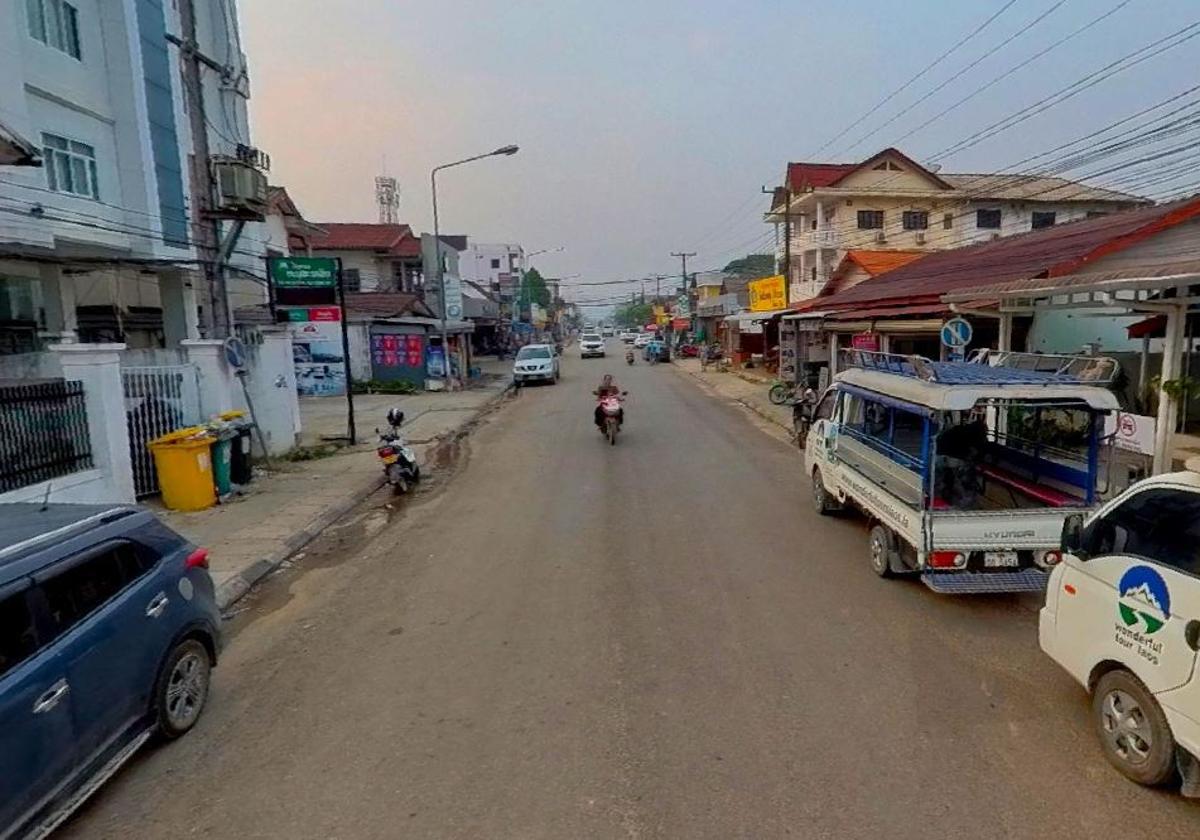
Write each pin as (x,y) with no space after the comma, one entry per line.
(156,607)
(1191,634)
(50,699)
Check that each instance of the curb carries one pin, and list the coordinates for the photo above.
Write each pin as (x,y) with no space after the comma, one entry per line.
(747,405)
(236,587)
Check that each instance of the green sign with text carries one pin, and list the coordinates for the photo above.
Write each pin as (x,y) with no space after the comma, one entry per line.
(304,272)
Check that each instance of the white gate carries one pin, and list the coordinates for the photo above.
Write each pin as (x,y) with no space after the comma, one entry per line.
(158,400)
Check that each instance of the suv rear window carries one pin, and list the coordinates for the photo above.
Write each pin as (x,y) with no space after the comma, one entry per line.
(77,592)
(18,641)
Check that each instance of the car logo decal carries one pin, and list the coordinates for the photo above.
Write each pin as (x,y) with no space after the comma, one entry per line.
(1144,599)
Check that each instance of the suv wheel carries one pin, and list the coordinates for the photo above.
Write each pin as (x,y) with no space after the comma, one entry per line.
(183,688)
(1133,730)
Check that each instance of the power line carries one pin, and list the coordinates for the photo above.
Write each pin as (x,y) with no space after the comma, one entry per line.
(921,73)
(954,77)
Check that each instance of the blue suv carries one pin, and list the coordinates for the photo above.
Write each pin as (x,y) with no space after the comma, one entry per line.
(109,631)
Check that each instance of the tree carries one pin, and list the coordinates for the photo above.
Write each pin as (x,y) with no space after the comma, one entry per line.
(752,265)
(633,314)
(535,290)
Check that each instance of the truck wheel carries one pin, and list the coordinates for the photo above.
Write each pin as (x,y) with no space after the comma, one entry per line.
(881,545)
(1133,730)
(822,501)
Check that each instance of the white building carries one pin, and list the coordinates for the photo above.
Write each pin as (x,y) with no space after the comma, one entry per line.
(889,202)
(495,267)
(99,243)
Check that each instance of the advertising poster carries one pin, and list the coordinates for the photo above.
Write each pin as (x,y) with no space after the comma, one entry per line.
(317,351)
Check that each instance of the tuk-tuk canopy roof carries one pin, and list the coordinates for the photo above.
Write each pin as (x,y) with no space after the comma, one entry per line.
(955,396)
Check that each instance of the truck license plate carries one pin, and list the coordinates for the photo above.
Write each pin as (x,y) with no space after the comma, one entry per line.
(1000,560)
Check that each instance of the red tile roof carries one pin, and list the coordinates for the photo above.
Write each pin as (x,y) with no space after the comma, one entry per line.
(802,176)
(391,240)
(1049,252)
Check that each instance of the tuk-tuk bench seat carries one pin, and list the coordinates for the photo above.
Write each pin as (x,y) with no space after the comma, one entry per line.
(1046,495)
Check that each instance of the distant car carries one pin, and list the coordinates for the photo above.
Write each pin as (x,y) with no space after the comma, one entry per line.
(643,339)
(629,337)
(591,344)
(109,631)
(536,362)
(607,332)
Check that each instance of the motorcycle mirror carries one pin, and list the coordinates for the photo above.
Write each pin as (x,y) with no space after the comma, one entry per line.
(624,393)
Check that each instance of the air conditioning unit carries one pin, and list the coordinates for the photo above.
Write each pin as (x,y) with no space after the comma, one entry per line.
(879,237)
(241,190)
(920,237)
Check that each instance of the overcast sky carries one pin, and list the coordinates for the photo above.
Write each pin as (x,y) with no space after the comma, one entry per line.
(649,127)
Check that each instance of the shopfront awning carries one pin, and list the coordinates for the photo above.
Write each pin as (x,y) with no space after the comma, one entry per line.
(805,316)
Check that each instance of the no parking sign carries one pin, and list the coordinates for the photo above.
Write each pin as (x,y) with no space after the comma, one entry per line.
(956,333)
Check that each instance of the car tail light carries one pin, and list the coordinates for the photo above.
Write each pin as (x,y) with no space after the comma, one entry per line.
(1050,558)
(198,559)
(947,559)
(386,450)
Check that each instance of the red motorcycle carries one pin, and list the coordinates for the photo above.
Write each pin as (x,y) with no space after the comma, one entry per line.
(689,351)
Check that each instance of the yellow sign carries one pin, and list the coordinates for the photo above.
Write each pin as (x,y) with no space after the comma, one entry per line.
(660,315)
(768,293)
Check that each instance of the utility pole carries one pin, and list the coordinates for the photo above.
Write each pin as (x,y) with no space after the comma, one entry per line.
(204,187)
(683,258)
(787,240)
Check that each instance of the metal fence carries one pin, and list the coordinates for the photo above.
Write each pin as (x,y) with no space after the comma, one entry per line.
(158,400)
(43,432)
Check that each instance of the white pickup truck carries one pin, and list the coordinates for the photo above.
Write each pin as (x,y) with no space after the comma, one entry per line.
(967,470)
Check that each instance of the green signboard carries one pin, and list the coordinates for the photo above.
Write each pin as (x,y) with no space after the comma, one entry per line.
(304,272)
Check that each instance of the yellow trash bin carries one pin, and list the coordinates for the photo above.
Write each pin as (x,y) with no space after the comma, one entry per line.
(183,460)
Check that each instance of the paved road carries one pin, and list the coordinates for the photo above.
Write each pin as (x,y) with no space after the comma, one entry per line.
(661,639)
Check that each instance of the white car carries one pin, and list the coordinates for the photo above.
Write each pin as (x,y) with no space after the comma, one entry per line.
(629,337)
(1122,616)
(536,362)
(643,339)
(608,332)
(591,344)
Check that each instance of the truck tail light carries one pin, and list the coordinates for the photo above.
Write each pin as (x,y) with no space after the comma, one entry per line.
(947,559)
(198,559)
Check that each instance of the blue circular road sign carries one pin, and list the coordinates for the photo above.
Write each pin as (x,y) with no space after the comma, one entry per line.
(956,332)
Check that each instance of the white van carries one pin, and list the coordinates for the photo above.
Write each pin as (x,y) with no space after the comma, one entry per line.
(1122,616)
(966,470)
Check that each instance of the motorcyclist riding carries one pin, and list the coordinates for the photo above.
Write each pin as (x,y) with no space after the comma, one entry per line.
(608,388)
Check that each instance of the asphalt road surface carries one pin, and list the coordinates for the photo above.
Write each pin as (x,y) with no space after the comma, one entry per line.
(563,639)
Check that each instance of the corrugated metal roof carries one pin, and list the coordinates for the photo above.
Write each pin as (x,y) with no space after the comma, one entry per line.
(1034,188)
(989,266)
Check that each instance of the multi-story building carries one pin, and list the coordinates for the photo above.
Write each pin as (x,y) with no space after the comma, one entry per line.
(496,267)
(102,240)
(889,202)
(375,257)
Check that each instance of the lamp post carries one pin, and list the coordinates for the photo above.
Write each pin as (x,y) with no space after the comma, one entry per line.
(437,246)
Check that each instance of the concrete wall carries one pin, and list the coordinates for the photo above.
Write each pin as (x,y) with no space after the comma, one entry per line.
(271,383)
(30,366)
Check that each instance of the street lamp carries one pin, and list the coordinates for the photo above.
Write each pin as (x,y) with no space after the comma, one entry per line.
(437,245)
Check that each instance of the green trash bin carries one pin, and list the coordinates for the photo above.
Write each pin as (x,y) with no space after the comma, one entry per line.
(222,459)
(240,471)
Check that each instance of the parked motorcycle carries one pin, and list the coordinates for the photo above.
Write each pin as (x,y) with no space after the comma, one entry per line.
(689,351)
(782,392)
(399,461)
(802,415)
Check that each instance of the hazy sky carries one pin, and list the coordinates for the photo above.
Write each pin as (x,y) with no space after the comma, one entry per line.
(649,127)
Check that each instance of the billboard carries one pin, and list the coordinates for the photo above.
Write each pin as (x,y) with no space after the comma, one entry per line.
(768,293)
(317,350)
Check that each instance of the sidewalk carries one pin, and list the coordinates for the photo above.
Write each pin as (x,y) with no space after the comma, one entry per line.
(287,506)
(749,392)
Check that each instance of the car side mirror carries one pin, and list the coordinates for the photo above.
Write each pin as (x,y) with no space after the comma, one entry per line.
(1072,535)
